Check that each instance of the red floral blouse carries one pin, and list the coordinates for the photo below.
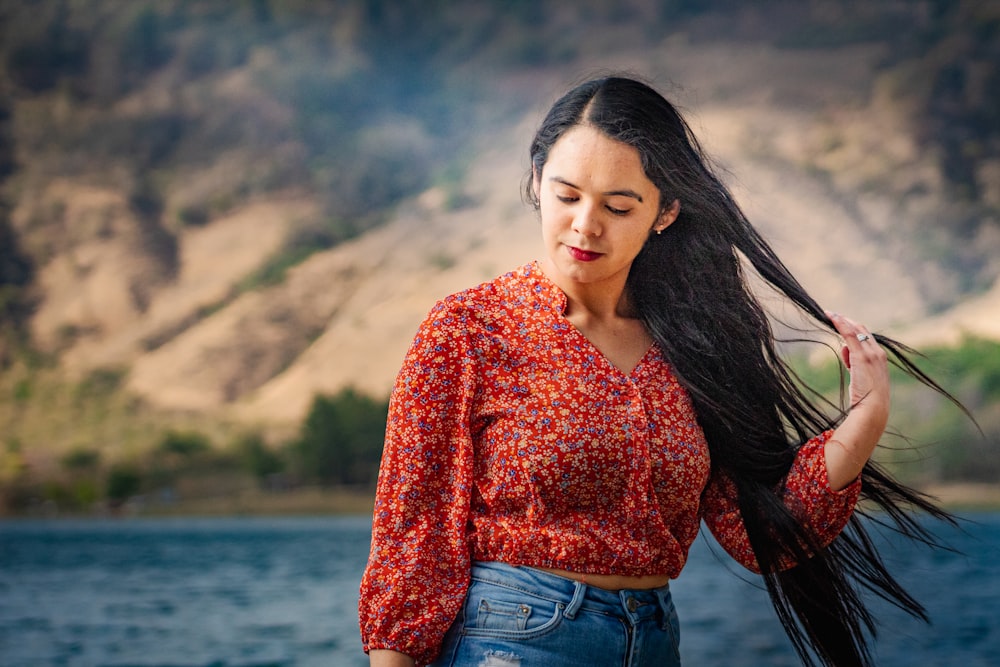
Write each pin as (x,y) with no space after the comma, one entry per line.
(512,438)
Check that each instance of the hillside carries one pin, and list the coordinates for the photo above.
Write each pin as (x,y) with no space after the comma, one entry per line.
(232,207)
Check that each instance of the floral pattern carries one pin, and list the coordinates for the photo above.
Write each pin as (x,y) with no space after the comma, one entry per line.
(511,438)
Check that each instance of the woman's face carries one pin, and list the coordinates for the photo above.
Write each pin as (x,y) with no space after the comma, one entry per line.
(597,208)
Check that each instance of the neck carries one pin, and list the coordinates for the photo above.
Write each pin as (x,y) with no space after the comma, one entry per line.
(603,301)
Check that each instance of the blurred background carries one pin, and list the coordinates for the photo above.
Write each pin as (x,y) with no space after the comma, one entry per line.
(221,222)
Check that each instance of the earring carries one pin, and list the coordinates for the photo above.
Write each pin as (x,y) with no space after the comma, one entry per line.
(659,231)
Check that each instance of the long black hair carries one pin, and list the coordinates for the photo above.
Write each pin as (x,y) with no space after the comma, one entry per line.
(689,286)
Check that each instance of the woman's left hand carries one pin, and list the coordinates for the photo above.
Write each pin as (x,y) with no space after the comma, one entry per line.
(854,440)
(867,362)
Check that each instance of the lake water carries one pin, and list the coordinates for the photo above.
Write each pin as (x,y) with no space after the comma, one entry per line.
(283,593)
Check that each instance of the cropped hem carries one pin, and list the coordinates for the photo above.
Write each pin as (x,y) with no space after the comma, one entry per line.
(574,564)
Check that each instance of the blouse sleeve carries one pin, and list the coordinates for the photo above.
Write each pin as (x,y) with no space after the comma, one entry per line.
(806,493)
(419,564)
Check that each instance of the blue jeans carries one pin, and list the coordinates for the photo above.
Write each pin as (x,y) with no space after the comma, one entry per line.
(524,617)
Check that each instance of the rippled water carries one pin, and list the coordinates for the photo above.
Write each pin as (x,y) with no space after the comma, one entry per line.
(283,592)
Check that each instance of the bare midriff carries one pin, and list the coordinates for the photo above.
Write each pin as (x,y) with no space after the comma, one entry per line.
(612,582)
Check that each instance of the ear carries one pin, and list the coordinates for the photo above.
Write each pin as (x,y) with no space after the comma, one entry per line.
(536,182)
(668,216)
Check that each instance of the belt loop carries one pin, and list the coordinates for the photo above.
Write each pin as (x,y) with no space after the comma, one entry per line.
(665,599)
(579,591)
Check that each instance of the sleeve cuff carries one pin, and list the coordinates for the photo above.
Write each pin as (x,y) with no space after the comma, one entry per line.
(809,496)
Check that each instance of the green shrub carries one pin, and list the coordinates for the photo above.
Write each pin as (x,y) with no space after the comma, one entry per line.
(340,441)
(85,493)
(257,458)
(193,216)
(81,459)
(101,382)
(124,481)
(22,390)
(183,444)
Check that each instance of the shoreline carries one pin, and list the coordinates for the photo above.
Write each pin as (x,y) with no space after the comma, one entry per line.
(959,496)
(954,497)
(301,502)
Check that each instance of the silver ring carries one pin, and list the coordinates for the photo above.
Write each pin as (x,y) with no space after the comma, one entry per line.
(862,337)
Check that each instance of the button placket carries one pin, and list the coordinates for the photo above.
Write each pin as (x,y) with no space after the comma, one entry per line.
(638,435)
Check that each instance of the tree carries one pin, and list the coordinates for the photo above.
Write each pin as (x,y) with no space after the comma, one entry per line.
(340,441)
(257,458)
(124,481)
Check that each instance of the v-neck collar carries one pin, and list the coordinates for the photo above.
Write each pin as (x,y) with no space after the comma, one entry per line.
(550,294)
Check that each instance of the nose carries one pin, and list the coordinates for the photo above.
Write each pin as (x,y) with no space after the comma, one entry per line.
(586,222)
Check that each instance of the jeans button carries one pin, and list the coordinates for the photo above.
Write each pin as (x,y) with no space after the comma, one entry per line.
(632,604)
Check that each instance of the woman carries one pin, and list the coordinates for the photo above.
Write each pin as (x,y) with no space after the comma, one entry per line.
(556,435)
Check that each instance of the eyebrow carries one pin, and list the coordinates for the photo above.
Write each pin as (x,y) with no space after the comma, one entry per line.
(612,193)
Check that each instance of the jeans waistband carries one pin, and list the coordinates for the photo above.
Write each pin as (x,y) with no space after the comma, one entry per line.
(633,604)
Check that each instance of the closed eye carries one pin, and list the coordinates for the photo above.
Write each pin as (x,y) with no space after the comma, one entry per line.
(569,199)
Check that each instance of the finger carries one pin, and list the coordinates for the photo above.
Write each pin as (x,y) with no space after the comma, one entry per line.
(854,334)
(863,335)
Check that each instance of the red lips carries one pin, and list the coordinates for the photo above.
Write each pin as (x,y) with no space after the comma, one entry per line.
(583,255)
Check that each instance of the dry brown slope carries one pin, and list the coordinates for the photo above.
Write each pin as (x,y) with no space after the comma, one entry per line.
(352,310)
